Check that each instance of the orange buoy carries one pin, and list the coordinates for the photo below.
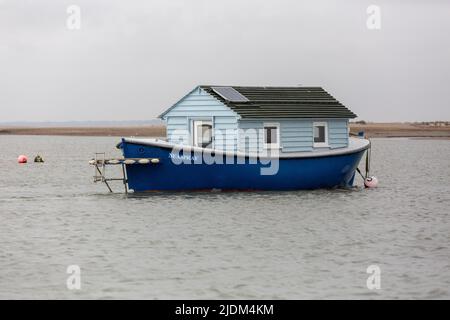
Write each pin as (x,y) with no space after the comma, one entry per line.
(22,159)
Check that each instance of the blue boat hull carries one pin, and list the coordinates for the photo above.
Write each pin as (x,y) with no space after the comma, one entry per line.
(293,173)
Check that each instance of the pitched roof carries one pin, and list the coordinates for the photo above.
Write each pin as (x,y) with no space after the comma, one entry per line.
(284,102)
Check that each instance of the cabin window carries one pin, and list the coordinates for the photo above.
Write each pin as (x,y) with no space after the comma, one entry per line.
(271,135)
(320,134)
(202,134)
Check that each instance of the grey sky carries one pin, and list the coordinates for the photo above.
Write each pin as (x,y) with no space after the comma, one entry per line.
(133,59)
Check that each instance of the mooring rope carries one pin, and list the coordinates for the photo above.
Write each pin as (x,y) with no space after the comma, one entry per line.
(359,171)
(368,158)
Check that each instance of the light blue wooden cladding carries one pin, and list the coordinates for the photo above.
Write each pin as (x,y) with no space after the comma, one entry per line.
(231,133)
(202,106)
(338,133)
(249,136)
(295,135)
(225,133)
(176,130)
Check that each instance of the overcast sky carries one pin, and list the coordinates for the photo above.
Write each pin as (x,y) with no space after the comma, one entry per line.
(132,59)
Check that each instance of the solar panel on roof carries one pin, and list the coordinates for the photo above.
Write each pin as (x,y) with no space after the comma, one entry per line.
(230,94)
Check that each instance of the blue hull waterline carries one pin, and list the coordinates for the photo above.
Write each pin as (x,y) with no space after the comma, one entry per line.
(298,171)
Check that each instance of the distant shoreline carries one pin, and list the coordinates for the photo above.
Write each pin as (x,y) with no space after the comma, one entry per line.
(117,131)
(401,130)
(372,130)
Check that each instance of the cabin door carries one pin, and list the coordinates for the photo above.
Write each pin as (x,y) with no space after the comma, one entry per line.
(202,133)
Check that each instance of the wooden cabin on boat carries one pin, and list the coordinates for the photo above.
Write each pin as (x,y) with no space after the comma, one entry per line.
(254,119)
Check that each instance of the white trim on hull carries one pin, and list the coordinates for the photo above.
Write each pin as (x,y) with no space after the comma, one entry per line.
(354,145)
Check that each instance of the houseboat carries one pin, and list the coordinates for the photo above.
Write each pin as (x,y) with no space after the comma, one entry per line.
(248,138)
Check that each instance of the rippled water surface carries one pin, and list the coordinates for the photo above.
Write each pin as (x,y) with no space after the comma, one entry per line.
(281,245)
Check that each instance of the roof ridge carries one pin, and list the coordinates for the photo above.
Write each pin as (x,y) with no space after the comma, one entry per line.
(243,86)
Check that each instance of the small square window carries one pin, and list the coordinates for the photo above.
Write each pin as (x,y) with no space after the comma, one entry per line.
(271,136)
(202,133)
(320,134)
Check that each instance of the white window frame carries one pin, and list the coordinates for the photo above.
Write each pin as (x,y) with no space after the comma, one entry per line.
(271,145)
(194,129)
(321,144)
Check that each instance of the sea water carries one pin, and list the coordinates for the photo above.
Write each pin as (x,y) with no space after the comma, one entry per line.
(320,244)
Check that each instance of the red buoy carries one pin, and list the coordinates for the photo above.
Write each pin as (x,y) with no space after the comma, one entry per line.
(22,159)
